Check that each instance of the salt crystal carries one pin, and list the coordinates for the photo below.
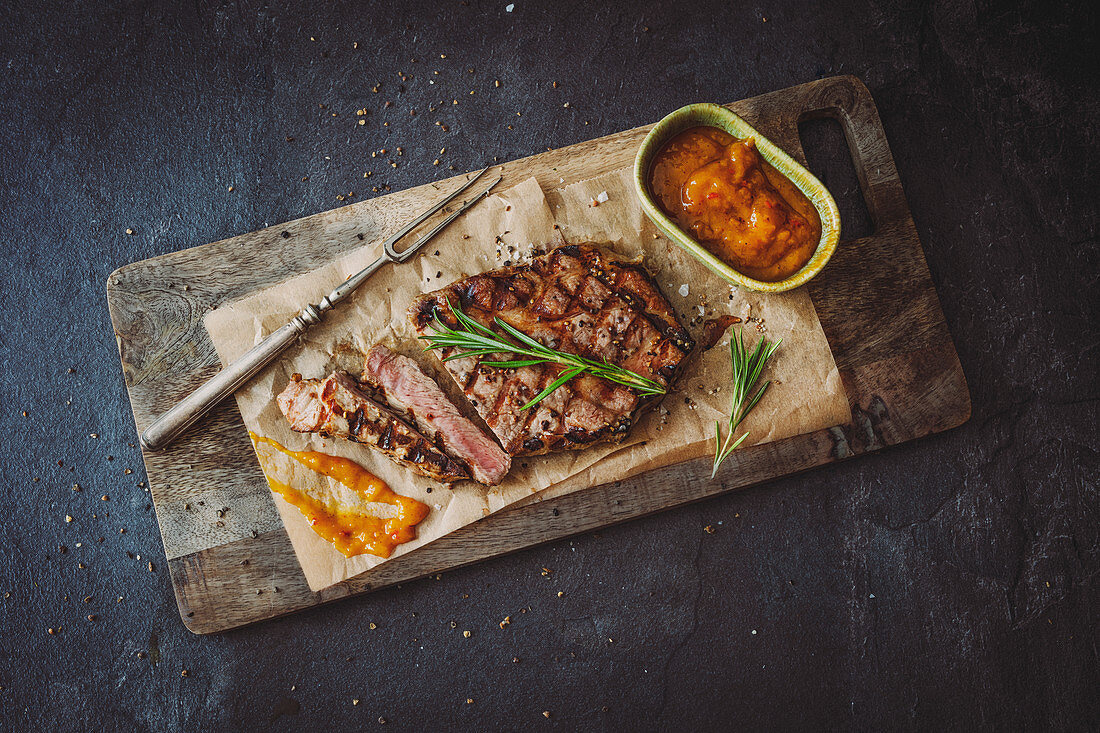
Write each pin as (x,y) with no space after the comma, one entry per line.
(684,290)
(509,7)
(602,198)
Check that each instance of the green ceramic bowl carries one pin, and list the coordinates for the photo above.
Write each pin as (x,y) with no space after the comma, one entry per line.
(714,115)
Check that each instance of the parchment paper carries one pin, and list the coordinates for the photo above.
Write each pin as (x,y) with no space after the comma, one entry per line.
(806,394)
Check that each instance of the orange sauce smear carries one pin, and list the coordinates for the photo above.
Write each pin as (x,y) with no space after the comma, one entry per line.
(351,533)
(721,191)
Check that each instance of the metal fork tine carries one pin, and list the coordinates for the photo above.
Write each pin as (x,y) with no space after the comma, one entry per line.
(420,219)
(409,251)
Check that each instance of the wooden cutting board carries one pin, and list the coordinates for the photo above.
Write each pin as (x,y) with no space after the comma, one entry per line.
(230,559)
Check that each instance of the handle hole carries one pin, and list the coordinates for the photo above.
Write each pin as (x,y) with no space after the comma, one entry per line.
(829,159)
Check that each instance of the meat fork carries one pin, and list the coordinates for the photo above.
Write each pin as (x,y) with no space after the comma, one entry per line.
(168,426)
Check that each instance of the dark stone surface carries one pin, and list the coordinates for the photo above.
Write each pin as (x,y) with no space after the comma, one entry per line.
(947,583)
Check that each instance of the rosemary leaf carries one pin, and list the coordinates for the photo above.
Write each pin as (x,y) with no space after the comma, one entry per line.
(562,379)
(510,364)
(520,336)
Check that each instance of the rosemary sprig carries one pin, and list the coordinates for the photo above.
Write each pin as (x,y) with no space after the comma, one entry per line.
(746,369)
(471,338)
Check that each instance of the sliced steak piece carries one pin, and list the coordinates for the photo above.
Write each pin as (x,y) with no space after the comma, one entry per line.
(580,299)
(338,408)
(410,390)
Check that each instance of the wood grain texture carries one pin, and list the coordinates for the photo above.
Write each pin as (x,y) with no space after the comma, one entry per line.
(876,302)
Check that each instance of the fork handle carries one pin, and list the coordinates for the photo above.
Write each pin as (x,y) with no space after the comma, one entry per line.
(168,426)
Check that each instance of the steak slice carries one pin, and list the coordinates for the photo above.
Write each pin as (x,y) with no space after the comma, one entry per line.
(578,298)
(338,408)
(411,391)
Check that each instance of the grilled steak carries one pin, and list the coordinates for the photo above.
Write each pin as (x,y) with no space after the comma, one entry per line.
(337,407)
(409,390)
(577,298)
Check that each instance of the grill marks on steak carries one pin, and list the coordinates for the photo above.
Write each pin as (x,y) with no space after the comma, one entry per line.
(411,391)
(580,299)
(338,407)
